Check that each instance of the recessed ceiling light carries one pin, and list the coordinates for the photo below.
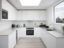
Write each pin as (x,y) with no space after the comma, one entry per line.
(30,2)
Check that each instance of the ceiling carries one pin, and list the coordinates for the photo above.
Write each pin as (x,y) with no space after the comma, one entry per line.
(43,5)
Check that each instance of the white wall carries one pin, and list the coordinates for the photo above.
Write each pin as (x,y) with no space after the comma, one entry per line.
(31,15)
(11,10)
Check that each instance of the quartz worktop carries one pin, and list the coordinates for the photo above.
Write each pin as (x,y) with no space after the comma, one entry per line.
(56,34)
(7,32)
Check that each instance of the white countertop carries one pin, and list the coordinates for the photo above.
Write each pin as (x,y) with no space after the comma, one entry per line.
(53,33)
(56,34)
(6,32)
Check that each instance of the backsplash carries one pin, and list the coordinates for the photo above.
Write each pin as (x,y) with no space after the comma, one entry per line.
(58,27)
(5,25)
(29,23)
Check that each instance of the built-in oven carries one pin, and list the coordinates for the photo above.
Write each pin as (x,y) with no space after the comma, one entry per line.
(29,31)
(4,14)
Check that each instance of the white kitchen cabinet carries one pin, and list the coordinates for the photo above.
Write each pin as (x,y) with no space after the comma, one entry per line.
(60,43)
(37,32)
(12,39)
(8,41)
(31,15)
(52,39)
(3,41)
(49,40)
(10,9)
(21,32)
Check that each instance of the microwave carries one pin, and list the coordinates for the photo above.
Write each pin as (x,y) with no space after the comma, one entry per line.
(4,14)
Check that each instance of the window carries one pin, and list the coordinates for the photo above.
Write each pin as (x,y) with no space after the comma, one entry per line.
(59,13)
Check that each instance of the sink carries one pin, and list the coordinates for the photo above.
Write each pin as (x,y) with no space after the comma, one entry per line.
(50,29)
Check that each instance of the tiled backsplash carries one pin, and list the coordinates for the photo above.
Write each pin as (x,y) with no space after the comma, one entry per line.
(29,23)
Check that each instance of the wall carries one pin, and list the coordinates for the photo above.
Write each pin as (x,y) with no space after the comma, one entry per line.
(11,10)
(51,18)
(31,15)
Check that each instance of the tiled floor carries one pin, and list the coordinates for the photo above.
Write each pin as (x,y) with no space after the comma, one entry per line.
(30,43)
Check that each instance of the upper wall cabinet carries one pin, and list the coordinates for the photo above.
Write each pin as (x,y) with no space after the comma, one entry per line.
(31,15)
(59,13)
(8,11)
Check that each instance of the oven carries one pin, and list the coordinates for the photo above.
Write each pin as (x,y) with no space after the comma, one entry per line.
(4,14)
(29,31)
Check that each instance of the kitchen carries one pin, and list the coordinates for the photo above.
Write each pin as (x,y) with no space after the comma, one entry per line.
(43,23)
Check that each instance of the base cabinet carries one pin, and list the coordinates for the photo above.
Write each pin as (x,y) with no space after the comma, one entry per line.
(3,41)
(8,41)
(37,32)
(22,33)
(51,41)
(12,40)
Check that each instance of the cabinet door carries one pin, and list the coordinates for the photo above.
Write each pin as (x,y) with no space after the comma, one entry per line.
(12,40)
(21,32)
(37,32)
(49,40)
(60,43)
(44,35)
(3,41)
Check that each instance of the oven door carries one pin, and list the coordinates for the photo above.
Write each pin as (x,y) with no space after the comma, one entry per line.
(4,14)
(29,32)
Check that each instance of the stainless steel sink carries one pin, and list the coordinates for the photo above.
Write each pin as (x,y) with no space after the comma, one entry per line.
(50,29)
